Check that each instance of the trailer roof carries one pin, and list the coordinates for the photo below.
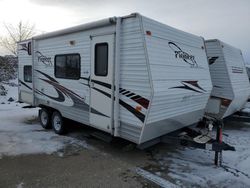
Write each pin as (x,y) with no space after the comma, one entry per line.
(82,27)
(91,25)
(221,42)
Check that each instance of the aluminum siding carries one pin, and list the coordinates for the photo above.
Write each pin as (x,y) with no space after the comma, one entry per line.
(239,81)
(226,84)
(222,87)
(169,103)
(61,45)
(134,76)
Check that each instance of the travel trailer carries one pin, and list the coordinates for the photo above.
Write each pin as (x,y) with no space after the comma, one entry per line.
(131,77)
(231,88)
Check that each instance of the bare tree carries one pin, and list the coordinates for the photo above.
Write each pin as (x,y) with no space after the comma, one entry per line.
(21,31)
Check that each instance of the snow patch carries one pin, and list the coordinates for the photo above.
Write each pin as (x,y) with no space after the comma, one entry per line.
(21,133)
(154,178)
(194,167)
(20,185)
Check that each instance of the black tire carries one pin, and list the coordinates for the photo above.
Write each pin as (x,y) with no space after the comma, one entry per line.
(44,117)
(58,123)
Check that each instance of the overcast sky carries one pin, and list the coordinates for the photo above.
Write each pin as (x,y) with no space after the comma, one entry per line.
(228,20)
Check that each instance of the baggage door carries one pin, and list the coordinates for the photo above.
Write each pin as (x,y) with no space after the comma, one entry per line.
(101,82)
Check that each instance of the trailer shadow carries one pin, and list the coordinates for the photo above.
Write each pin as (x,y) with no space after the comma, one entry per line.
(120,149)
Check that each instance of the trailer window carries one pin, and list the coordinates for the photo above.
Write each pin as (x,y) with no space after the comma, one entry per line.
(27,73)
(101,59)
(29,48)
(67,66)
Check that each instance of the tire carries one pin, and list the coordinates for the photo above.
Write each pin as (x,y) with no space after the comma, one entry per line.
(58,123)
(44,117)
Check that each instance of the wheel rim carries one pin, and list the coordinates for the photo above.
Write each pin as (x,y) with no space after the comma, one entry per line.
(44,118)
(57,123)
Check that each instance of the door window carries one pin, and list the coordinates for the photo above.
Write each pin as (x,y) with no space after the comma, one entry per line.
(27,73)
(101,59)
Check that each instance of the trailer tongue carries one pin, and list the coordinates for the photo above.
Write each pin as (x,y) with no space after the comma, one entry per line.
(198,137)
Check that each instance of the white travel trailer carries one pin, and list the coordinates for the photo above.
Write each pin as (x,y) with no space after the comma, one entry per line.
(131,77)
(229,76)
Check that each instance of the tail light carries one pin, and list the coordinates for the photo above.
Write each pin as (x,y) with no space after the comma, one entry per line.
(225,102)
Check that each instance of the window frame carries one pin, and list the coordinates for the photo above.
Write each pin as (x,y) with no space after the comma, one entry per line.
(95,63)
(71,54)
(25,80)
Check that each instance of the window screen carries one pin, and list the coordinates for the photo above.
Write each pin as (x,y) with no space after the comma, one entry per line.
(67,66)
(27,73)
(101,59)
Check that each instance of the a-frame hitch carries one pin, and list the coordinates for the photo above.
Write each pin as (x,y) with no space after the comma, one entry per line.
(201,138)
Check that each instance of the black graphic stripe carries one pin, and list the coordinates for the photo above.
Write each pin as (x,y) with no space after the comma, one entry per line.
(201,88)
(137,98)
(130,95)
(217,86)
(185,87)
(78,101)
(102,84)
(84,78)
(194,83)
(127,92)
(25,84)
(49,77)
(60,97)
(38,92)
(138,114)
(98,82)
(122,90)
(66,91)
(62,90)
(212,60)
(92,110)
(85,84)
(103,92)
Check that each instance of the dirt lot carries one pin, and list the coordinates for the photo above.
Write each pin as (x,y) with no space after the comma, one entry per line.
(85,169)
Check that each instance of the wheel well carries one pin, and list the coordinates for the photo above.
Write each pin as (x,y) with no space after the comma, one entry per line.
(50,110)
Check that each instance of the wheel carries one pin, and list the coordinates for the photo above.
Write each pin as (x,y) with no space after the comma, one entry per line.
(44,117)
(57,123)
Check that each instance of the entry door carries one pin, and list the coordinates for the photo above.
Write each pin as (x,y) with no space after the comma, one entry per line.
(101,82)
